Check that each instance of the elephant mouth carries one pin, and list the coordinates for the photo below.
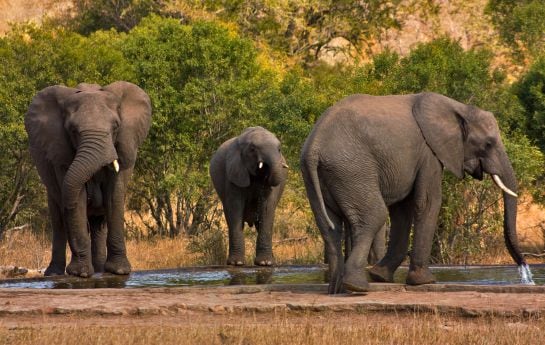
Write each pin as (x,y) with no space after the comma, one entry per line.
(263,172)
(475,169)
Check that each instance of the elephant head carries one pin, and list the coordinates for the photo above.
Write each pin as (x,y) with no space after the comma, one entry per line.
(467,139)
(256,154)
(86,128)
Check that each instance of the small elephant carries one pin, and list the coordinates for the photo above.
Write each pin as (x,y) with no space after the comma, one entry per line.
(249,174)
(84,142)
(370,157)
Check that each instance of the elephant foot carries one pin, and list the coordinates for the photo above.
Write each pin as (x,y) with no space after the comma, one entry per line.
(54,270)
(336,287)
(264,260)
(80,268)
(419,276)
(381,274)
(355,283)
(99,268)
(235,261)
(118,265)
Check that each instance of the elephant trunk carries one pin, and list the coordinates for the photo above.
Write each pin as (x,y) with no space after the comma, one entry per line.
(278,170)
(507,176)
(95,150)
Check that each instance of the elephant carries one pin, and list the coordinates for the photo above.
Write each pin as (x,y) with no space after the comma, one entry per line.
(84,143)
(373,157)
(249,173)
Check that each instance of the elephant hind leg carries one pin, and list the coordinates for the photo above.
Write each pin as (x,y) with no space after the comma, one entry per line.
(401,218)
(365,224)
(333,250)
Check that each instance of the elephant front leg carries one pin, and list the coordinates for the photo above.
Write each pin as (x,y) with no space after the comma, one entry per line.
(427,206)
(263,248)
(116,259)
(99,235)
(78,238)
(233,208)
(58,253)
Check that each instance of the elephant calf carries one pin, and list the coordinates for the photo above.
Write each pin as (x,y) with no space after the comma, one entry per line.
(84,141)
(249,174)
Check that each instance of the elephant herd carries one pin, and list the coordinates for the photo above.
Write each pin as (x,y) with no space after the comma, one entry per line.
(368,159)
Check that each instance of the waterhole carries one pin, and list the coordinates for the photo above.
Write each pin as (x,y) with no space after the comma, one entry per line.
(222,275)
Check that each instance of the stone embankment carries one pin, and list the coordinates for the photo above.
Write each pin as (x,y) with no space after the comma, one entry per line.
(448,299)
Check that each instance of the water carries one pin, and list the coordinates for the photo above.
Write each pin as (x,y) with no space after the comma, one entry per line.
(221,276)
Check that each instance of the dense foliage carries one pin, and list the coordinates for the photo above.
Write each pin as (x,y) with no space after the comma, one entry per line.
(210,78)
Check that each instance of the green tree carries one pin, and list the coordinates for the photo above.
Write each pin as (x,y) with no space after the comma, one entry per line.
(33,58)
(520,23)
(304,28)
(121,15)
(206,85)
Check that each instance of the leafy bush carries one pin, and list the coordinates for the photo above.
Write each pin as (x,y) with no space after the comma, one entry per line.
(520,24)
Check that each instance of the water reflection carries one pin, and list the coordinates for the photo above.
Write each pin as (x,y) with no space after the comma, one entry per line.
(482,275)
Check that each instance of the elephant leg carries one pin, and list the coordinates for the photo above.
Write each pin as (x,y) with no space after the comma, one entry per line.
(401,220)
(364,224)
(116,259)
(233,209)
(378,248)
(78,238)
(264,255)
(99,235)
(58,253)
(333,251)
(347,241)
(427,205)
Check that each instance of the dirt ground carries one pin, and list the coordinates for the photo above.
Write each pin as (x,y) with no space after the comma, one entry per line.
(35,307)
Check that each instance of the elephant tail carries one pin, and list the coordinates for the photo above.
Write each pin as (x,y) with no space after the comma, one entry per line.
(314,191)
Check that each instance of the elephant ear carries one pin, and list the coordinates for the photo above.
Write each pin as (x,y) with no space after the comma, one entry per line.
(135,115)
(442,122)
(44,123)
(236,170)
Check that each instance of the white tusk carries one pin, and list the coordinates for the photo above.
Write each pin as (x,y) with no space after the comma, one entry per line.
(260,165)
(285,165)
(500,184)
(116,165)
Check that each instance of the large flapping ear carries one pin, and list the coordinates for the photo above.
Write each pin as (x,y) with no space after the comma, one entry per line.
(44,123)
(135,115)
(441,120)
(236,170)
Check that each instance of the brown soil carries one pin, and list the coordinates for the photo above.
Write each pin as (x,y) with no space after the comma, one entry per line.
(36,308)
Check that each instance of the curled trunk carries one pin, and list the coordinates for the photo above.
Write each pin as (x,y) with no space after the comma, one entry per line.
(95,151)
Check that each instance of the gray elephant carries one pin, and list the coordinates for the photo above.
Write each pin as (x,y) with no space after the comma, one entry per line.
(249,174)
(370,157)
(84,142)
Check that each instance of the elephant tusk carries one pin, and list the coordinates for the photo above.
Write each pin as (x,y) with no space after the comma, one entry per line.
(285,165)
(500,184)
(116,165)
(260,165)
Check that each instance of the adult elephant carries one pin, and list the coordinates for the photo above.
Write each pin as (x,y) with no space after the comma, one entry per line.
(249,174)
(373,156)
(84,142)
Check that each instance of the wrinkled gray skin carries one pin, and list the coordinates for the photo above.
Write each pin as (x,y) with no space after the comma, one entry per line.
(75,135)
(249,194)
(370,157)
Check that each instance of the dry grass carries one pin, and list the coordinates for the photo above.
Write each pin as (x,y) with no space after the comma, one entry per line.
(24,248)
(313,329)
